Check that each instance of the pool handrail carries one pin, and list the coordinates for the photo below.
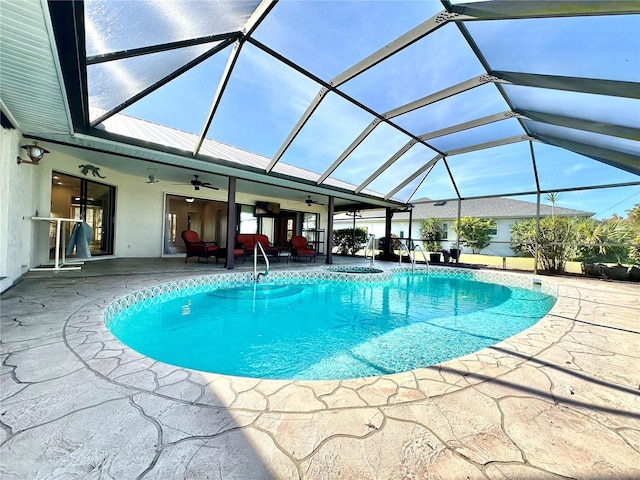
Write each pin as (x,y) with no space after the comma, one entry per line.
(372,237)
(404,247)
(418,247)
(256,275)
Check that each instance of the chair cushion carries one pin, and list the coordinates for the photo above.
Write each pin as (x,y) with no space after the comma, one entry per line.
(195,247)
(247,239)
(190,236)
(261,239)
(250,239)
(298,242)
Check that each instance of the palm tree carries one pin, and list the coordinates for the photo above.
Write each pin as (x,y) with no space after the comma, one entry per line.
(553,198)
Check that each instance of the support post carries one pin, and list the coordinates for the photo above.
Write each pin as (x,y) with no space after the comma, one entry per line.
(409,241)
(387,252)
(535,257)
(232,223)
(329,239)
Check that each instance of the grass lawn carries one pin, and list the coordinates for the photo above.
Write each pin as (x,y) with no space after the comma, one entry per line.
(522,264)
(512,263)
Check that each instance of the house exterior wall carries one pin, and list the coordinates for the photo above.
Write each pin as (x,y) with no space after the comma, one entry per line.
(18,203)
(500,243)
(25,191)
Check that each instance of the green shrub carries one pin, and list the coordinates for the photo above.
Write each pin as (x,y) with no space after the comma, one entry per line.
(556,241)
(343,240)
(474,232)
(431,232)
(597,233)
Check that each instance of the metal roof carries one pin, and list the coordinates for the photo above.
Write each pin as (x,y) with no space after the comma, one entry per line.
(380,100)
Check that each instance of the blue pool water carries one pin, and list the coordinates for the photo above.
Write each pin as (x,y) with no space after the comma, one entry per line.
(328,330)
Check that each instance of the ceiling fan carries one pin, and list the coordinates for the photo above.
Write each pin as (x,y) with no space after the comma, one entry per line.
(197,184)
(310,202)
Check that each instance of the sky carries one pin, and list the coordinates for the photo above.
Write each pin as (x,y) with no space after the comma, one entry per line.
(265,97)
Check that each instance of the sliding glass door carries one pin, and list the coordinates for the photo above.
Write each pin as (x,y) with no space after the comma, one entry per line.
(88,201)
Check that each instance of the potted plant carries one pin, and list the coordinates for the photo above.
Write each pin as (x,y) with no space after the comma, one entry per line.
(431,230)
(454,252)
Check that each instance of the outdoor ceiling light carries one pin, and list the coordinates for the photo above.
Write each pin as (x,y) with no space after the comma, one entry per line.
(34,152)
(189,200)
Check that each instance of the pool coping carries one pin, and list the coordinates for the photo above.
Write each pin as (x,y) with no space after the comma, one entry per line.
(90,340)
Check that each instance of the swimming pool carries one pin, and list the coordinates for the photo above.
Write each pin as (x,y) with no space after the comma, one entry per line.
(324,326)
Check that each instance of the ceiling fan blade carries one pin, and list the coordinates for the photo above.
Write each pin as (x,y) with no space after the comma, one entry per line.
(209,186)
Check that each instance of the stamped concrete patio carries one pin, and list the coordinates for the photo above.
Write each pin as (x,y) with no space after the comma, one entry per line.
(560,400)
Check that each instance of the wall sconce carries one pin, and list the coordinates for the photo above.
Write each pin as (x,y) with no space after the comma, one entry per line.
(190,200)
(35,152)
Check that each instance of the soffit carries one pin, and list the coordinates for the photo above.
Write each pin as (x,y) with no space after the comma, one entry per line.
(30,87)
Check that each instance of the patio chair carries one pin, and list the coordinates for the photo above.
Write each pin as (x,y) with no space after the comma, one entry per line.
(196,247)
(300,248)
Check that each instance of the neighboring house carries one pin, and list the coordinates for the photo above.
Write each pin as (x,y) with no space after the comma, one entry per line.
(505,212)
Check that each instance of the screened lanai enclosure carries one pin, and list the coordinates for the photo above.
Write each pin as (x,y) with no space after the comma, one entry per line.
(380,103)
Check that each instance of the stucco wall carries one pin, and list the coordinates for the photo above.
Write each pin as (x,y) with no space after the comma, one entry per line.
(18,197)
(25,191)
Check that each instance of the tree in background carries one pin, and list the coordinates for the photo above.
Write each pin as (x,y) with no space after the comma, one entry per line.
(634,223)
(431,232)
(606,240)
(587,240)
(474,232)
(348,243)
(553,197)
(556,241)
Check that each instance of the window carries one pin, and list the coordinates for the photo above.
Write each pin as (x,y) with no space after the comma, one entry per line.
(248,223)
(310,221)
(445,231)
(171,226)
(290,227)
(493,231)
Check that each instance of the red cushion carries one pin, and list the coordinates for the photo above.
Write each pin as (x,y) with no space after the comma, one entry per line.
(250,239)
(190,236)
(299,242)
(261,239)
(247,239)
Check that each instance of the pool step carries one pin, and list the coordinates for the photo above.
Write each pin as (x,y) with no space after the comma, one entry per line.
(257,291)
